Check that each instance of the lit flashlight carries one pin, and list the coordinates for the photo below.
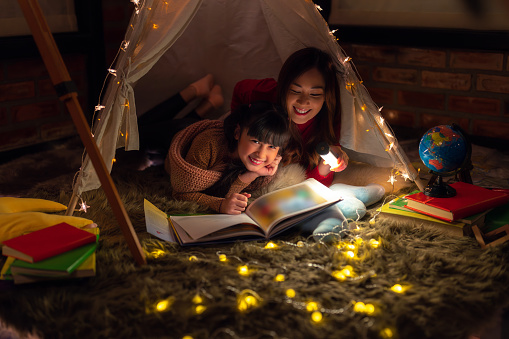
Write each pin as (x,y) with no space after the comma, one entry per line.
(324,150)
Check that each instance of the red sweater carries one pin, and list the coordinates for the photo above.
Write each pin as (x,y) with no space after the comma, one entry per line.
(250,90)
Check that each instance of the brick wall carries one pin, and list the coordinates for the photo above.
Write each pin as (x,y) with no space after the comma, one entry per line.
(420,87)
(30,112)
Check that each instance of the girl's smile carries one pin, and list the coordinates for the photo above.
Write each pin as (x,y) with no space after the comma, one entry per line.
(306,96)
(253,153)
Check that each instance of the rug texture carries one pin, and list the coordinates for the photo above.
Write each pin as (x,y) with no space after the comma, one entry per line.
(299,289)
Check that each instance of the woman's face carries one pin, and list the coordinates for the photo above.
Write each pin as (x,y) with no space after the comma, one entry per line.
(305,96)
(253,153)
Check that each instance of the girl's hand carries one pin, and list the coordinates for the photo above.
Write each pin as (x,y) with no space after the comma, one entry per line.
(271,168)
(236,203)
(325,169)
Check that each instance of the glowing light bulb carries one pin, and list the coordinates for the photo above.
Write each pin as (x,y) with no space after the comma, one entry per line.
(386,333)
(222,257)
(339,275)
(193,258)
(359,307)
(157,253)
(197,299)
(280,277)
(199,309)
(369,309)
(372,221)
(99,107)
(350,254)
(243,270)
(162,305)
(311,306)
(300,243)
(112,71)
(316,316)
(290,293)
(374,243)
(270,245)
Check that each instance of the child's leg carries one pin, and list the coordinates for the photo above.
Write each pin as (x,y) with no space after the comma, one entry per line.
(169,108)
(214,100)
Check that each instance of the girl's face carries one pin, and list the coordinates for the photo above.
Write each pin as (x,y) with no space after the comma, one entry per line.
(305,96)
(253,153)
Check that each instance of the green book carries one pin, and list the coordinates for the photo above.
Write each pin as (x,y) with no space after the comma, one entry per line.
(60,265)
(497,217)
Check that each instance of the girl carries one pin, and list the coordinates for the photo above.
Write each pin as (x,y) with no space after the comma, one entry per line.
(215,163)
(308,89)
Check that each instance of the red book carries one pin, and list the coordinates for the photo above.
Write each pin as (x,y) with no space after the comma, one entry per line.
(469,200)
(47,242)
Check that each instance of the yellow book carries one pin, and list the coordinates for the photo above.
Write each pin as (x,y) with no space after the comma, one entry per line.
(401,213)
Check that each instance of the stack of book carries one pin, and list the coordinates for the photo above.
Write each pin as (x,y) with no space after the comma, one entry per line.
(61,251)
(471,207)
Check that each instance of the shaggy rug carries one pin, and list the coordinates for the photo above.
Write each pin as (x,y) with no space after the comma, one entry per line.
(385,280)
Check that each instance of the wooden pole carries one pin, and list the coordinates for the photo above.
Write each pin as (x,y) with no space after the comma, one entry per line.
(64,86)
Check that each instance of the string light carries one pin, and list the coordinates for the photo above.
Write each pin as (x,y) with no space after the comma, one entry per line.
(243,270)
(280,278)
(112,71)
(316,316)
(99,107)
(270,245)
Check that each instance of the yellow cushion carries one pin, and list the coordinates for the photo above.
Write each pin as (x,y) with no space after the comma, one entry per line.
(15,205)
(15,224)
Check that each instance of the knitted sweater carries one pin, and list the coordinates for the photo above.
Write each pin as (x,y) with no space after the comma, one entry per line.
(196,159)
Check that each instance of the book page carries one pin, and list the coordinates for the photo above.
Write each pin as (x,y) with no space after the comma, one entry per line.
(287,202)
(157,222)
(201,225)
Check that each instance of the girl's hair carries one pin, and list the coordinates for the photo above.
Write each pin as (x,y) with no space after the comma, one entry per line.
(328,118)
(265,121)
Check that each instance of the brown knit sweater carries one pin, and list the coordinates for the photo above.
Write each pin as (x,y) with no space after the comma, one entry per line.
(197,157)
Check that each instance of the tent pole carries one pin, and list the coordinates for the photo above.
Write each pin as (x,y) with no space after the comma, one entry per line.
(67,93)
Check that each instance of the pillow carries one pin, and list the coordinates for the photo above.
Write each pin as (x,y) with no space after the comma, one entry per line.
(15,224)
(15,205)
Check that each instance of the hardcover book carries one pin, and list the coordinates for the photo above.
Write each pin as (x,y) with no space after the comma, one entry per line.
(469,200)
(58,265)
(86,269)
(409,216)
(264,218)
(47,242)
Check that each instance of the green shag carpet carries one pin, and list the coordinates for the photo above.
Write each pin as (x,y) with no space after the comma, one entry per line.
(452,288)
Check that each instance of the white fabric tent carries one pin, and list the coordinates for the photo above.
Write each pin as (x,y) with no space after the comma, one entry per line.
(171,43)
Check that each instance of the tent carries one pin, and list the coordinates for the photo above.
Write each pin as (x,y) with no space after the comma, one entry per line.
(171,43)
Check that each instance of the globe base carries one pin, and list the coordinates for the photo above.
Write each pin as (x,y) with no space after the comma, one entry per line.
(438,189)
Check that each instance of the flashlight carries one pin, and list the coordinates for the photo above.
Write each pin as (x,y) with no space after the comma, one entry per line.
(324,150)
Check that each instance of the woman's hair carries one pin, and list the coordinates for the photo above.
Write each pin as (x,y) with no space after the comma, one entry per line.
(265,121)
(328,118)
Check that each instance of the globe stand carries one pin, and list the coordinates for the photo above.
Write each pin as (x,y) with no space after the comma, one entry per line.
(437,188)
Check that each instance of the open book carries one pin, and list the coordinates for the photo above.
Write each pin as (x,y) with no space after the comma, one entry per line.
(265,217)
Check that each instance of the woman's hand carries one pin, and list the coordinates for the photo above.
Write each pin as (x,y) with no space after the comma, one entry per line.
(342,157)
(235,203)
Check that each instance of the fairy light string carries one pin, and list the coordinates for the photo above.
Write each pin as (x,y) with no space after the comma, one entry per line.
(346,267)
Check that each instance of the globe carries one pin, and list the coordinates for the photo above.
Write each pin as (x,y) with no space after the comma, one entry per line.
(443,149)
